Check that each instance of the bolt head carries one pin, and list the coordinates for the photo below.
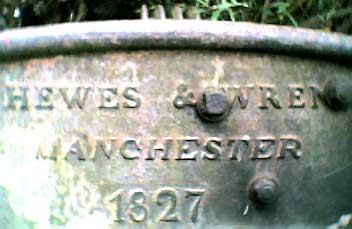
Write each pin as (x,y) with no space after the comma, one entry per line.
(213,106)
(263,192)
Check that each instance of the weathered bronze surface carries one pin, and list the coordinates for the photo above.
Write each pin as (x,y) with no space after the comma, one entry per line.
(118,138)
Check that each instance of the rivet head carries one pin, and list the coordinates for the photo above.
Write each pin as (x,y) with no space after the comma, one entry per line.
(338,94)
(263,191)
(213,106)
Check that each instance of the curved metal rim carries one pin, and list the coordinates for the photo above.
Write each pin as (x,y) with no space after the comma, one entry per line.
(171,34)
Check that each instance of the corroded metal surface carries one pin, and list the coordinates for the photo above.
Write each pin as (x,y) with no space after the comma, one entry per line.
(180,34)
(123,138)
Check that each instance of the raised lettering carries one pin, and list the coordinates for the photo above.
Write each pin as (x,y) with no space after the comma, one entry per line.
(130,149)
(289,144)
(16,94)
(78,97)
(133,98)
(106,148)
(44,99)
(243,96)
(295,97)
(268,93)
(316,94)
(108,98)
(263,148)
(237,147)
(154,147)
(213,148)
(185,151)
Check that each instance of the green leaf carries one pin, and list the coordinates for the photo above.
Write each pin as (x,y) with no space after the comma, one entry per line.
(293,21)
(232,15)
(215,15)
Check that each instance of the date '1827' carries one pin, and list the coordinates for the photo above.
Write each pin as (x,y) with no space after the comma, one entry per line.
(161,205)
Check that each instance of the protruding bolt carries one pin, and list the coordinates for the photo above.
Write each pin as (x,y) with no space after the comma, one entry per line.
(263,191)
(177,12)
(213,105)
(192,14)
(144,12)
(159,12)
(338,94)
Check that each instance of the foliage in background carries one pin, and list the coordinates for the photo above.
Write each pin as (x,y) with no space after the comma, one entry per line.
(331,15)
